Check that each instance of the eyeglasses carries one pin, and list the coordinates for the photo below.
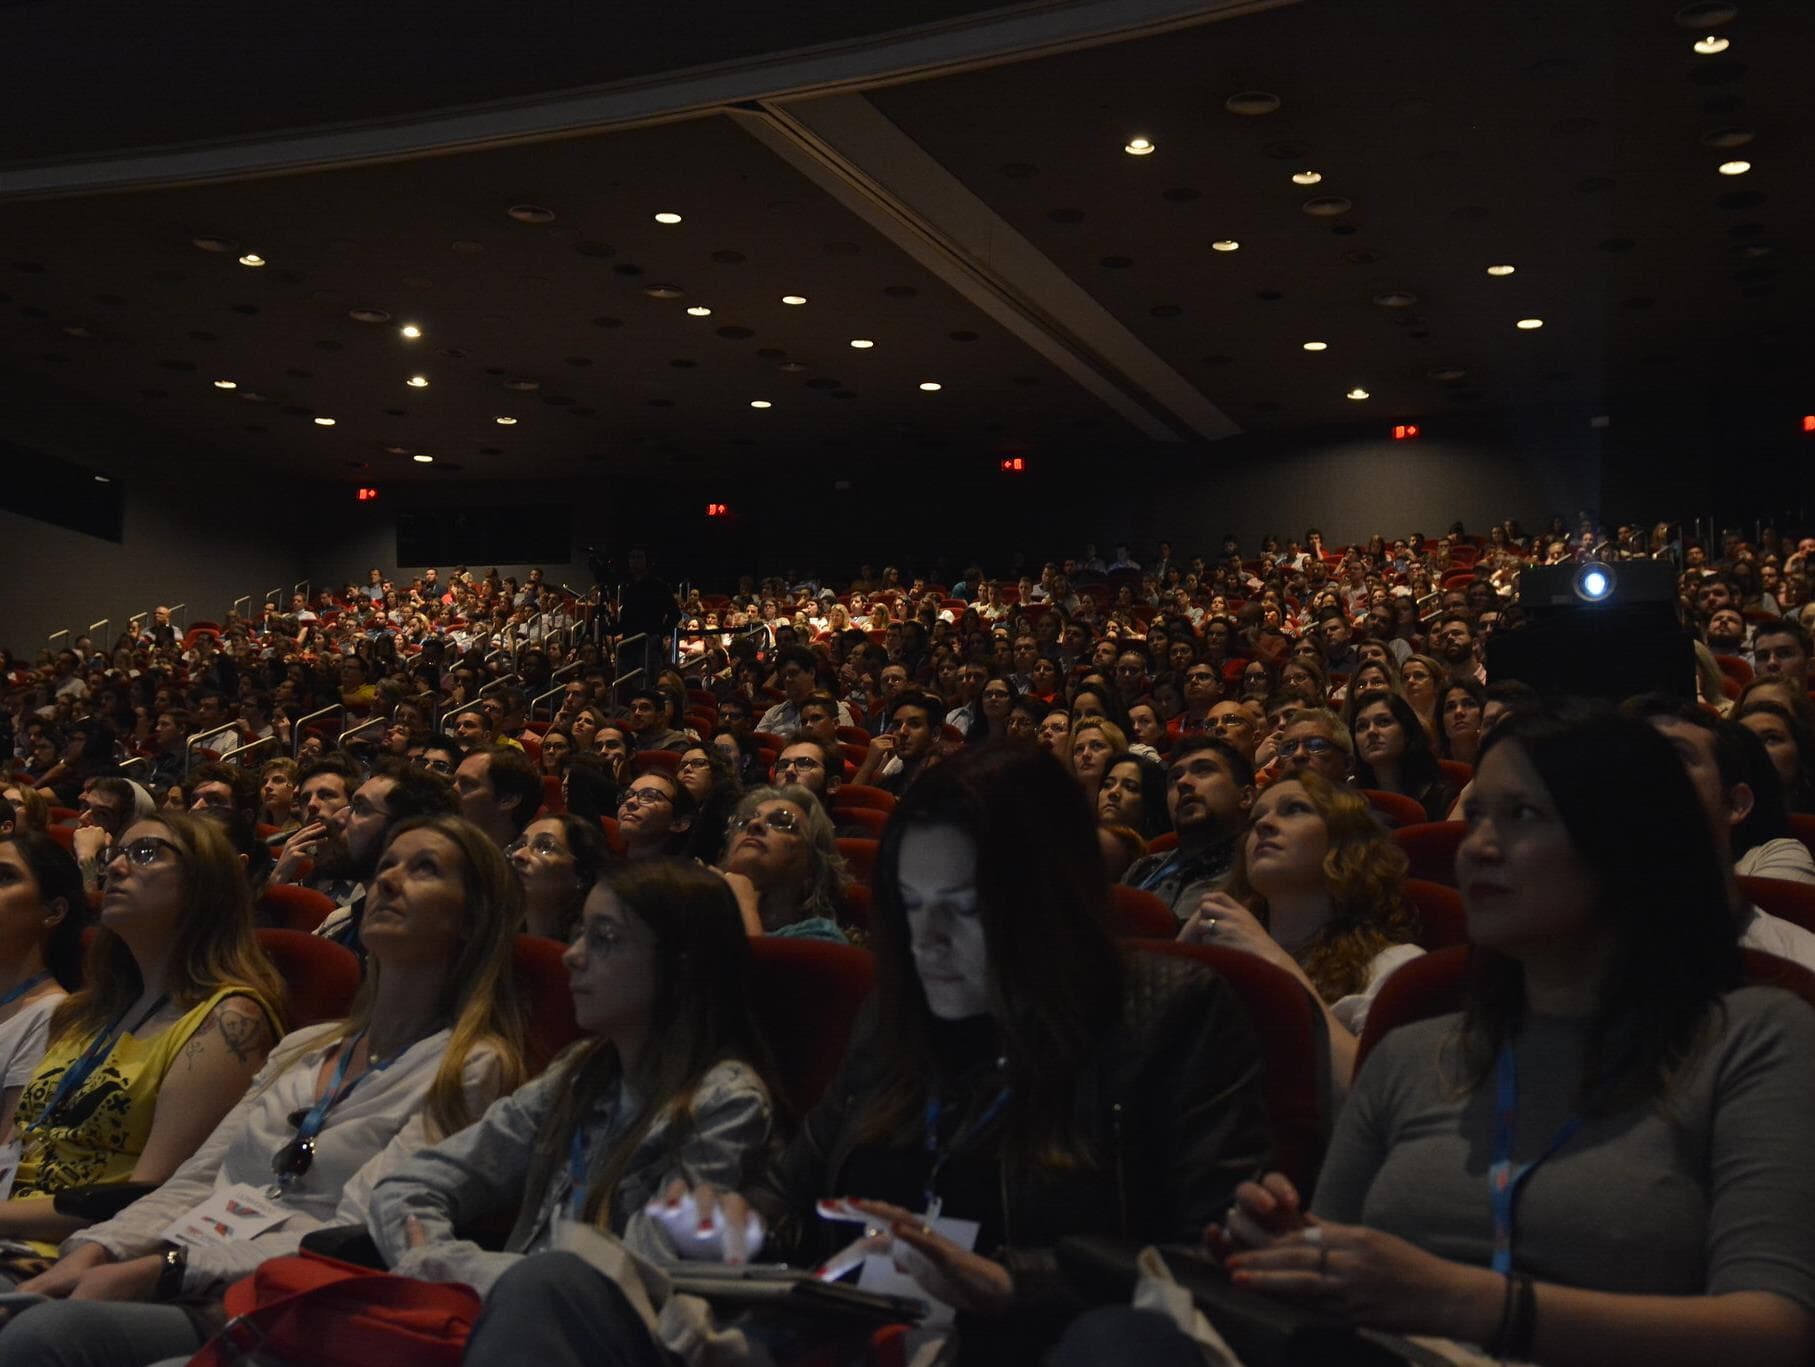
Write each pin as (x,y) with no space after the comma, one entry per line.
(545,845)
(695,764)
(1200,676)
(805,762)
(437,766)
(783,821)
(1313,745)
(997,694)
(143,851)
(644,797)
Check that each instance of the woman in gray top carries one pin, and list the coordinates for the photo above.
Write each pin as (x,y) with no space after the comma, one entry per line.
(1603,1158)
(670,1086)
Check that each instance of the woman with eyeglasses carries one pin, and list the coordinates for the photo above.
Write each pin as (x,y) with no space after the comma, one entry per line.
(173,973)
(654,816)
(557,859)
(434,1037)
(556,748)
(994,702)
(781,860)
(1318,890)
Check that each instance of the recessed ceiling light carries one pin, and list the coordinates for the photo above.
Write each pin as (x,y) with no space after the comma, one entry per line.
(1317,346)
(505,422)
(411,331)
(226,384)
(1138,147)
(366,313)
(215,244)
(1225,244)
(1501,270)
(1307,177)
(1734,168)
(760,403)
(1712,44)
(418,382)
(664,291)
(252,259)
(103,479)
(700,311)
(931,386)
(794,298)
(423,458)
(666,217)
(324,422)
(862,343)
(1529,324)
(531,213)
(1357,393)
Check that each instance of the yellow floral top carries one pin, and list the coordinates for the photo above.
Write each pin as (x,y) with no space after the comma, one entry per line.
(100,1131)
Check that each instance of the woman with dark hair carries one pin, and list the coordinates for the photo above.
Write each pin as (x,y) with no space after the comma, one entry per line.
(1319,890)
(87,751)
(1763,846)
(1259,679)
(557,859)
(1133,794)
(742,752)
(654,816)
(1600,1159)
(1393,754)
(1015,1068)
(434,1036)
(1789,743)
(556,749)
(1459,708)
(672,1081)
(715,788)
(42,908)
(588,789)
(994,702)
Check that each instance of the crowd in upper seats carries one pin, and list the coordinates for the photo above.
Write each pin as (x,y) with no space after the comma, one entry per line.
(970,781)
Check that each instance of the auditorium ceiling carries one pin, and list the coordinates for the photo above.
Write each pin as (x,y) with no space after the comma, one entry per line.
(222,251)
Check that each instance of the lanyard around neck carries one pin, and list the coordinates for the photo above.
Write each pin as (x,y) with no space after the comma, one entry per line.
(83,1068)
(942,1156)
(30,984)
(1503,1179)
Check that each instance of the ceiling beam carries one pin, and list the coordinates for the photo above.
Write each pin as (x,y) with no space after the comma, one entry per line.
(1008,34)
(845,145)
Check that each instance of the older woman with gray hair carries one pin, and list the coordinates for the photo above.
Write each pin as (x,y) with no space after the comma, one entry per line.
(781,859)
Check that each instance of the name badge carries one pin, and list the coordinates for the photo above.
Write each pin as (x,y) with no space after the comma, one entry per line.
(228,1217)
(890,1274)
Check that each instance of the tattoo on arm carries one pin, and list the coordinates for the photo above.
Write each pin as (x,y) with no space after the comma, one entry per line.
(246,1036)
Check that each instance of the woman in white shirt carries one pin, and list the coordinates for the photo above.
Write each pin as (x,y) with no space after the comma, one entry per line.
(434,1036)
(41,906)
(1319,890)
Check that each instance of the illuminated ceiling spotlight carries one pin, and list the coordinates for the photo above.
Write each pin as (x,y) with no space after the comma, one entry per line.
(1712,44)
(252,259)
(1357,393)
(1529,324)
(418,382)
(1138,147)
(667,217)
(411,331)
(1501,270)
(1307,177)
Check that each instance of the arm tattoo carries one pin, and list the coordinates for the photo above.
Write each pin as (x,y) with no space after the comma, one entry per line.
(245,1035)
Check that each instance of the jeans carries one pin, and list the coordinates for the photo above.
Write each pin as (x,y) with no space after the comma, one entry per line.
(97,1334)
(554,1310)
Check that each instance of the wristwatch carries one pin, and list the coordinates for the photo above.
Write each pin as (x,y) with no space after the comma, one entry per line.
(170,1274)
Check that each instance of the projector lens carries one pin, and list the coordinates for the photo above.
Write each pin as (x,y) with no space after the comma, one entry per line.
(1594,584)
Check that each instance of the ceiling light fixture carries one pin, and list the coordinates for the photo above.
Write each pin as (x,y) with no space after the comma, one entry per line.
(1307,177)
(1357,393)
(794,298)
(411,331)
(1317,346)
(505,422)
(1225,244)
(931,386)
(699,311)
(666,217)
(324,422)
(1501,270)
(1138,147)
(760,403)
(226,384)
(1734,168)
(423,458)
(103,479)
(252,259)
(1712,44)
(1529,324)
(862,343)
(418,382)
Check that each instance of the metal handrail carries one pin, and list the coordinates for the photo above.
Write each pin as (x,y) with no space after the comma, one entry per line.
(233,607)
(566,670)
(96,626)
(502,681)
(541,698)
(275,597)
(617,656)
(363,726)
(194,742)
(176,608)
(301,724)
(52,642)
(127,764)
(240,755)
(132,622)
(302,586)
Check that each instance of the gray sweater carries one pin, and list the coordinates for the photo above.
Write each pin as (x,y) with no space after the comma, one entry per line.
(1707,1191)
(481,1170)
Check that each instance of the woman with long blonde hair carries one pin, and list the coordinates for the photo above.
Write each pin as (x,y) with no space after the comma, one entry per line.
(1319,890)
(434,1036)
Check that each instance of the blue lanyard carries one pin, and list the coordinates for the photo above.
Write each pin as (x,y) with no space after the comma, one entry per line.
(576,1173)
(1162,873)
(310,1122)
(1503,1179)
(941,1157)
(79,1072)
(22,989)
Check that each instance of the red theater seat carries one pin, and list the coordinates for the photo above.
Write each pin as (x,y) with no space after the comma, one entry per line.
(859,856)
(863,795)
(297,907)
(1135,914)
(542,978)
(1443,922)
(1431,846)
(666,760)
(322,977)
(806,994)
(1396,809)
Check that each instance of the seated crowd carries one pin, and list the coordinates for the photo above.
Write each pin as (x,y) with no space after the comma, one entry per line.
(1085,830)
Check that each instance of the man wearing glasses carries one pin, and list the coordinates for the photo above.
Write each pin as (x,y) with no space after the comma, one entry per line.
(1316,739)
(1203,689)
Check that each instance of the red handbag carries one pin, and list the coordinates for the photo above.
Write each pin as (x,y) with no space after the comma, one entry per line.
(326,1313)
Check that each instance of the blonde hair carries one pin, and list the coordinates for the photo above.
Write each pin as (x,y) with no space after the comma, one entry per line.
(1118,741)
(1365,874)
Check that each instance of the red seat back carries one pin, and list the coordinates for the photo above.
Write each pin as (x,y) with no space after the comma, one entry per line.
(665,760)
(1294,1048)
(1443,922)
(542,978)
(806,994)
(63,835)
(1457,774)
(1167,841)
(1792,901)
(859,855)
(1135,914)
(1396,809)
(864,795)
(553,803)
(298,908)
(322,977)
(1431,846)
(1430,985)
(868,818)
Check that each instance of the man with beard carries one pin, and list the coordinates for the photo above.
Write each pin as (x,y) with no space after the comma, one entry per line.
(1209,788)
(357,834)
(1452,641)
(1725,633)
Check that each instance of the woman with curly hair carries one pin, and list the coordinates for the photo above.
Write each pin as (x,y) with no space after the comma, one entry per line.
(1319,890)
(782,862)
